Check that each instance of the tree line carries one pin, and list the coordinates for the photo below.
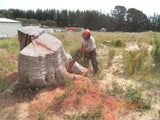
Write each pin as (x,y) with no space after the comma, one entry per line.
(119,19)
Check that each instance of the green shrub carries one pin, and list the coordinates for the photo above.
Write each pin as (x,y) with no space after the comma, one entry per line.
(111,53)
(26,90)
(117,43)
(135,59)
(132,95)
(91,114)
(159,113)
(156,52)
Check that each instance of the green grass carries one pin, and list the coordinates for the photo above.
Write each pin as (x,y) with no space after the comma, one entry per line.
(111,53)
(71,42)
(25,90)
(125,37)
(135,59)
(132,95)
(156,53)
(41,115)
(10,45)
(143,65)
(68,84)
(117,43)
(7,64)
(9,114)
(91,114)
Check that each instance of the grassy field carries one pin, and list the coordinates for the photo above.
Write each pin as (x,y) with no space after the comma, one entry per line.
(9,49)
(130,76)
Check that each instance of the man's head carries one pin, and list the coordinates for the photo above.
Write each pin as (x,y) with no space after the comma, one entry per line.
(86,34)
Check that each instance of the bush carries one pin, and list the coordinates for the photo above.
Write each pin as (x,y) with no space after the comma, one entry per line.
(26,22)
(49,23)
(159,113)
(117,43)
(134,59)
(111,53)
(134,96)
(25,90)
(91,114)
(156,52)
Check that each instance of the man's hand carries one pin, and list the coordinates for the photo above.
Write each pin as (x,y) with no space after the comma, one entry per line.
(85,50)
(79,54)
(82,50)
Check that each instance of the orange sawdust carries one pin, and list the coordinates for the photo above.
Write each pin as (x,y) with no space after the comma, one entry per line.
(86,94)
(41,103)
(46,97)
(83,94)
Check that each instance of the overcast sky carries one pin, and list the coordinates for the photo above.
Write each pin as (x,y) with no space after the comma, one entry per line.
(149,7)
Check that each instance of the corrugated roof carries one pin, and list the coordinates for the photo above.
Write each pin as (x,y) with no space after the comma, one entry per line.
(5,20)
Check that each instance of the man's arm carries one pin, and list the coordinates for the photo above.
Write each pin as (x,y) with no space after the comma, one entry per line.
(84,50)
(87,50)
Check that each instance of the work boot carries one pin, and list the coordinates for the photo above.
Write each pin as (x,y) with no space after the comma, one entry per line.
(95,72)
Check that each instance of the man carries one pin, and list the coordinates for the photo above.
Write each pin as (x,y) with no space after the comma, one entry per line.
(89,49)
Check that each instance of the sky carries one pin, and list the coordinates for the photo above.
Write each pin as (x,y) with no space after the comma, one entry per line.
(148,7)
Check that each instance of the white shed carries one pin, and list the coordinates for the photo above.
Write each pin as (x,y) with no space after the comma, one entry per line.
(9,27)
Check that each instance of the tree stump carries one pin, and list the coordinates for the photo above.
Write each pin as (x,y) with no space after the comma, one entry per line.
(42,59)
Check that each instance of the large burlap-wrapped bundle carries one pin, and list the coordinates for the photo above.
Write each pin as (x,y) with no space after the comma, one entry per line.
(42,59)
